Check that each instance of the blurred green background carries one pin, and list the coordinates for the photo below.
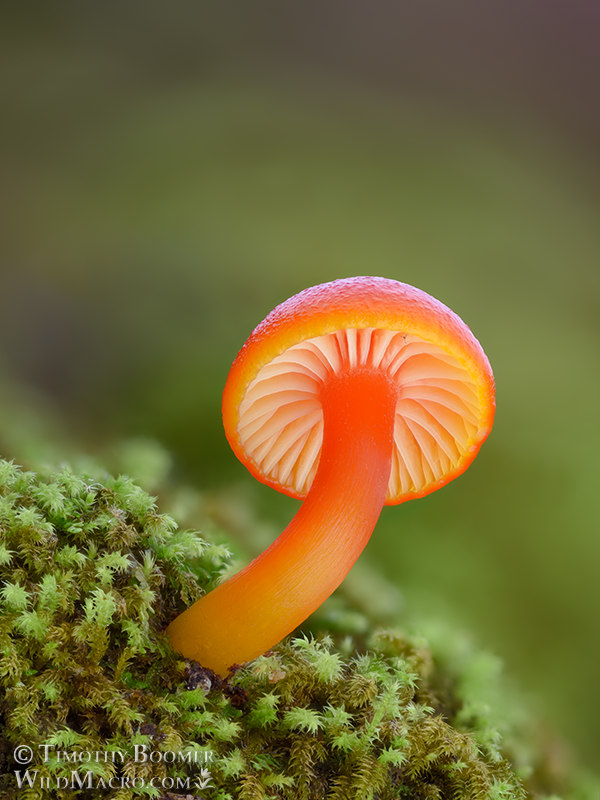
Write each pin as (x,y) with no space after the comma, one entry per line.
(171,172)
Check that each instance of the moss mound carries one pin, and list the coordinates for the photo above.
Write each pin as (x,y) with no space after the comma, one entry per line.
(91,574)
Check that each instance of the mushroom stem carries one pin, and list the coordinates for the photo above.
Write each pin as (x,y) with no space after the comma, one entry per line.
(254,609)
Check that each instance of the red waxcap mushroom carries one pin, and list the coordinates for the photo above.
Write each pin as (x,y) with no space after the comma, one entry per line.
(351,394)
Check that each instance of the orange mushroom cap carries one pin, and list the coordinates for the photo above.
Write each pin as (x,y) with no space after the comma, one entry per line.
(445,406)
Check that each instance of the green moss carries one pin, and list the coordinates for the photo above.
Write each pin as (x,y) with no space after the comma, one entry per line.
(91,574)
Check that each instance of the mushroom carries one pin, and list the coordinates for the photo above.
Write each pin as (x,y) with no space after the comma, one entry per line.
(351,395)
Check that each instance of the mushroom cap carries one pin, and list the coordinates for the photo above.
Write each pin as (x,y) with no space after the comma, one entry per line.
(445,408)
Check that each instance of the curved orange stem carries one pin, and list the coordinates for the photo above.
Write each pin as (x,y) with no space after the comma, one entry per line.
(261,604)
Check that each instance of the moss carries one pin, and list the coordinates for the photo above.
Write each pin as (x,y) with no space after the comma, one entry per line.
(91,574)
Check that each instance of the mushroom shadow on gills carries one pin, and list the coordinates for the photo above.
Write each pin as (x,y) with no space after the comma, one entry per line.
(350,395)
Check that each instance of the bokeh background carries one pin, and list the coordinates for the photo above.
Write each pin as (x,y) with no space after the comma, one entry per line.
(170,172)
